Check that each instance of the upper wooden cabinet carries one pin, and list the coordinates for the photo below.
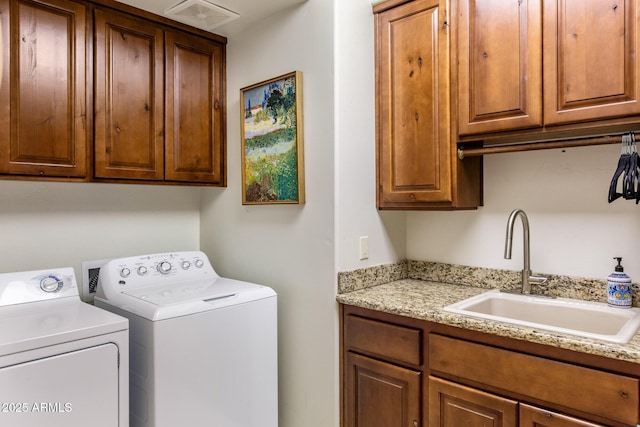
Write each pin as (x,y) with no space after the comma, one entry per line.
(129,97)
(44,128)
(591,61)
(159,102)
(416,163)
(499,65)
(542,63)
(195,119)
(97,90)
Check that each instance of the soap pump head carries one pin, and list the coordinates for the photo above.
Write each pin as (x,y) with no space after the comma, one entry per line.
(619,267)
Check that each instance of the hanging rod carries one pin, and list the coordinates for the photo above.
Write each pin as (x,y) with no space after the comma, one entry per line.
(531,146)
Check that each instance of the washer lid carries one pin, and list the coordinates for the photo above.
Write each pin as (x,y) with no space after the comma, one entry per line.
(174,300)
(217,289)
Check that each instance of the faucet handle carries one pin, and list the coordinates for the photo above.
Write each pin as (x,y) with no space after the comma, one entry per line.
(538,280)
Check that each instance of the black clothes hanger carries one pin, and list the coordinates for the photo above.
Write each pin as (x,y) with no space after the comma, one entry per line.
(623,164)
(630,183)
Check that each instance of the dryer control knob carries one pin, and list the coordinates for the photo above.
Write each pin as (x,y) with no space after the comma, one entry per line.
(51,284)
(199,263)
(164,267)
(142,270)
(186,265)
(125,272)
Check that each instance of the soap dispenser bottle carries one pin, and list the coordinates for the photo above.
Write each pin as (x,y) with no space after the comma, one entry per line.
(619,287)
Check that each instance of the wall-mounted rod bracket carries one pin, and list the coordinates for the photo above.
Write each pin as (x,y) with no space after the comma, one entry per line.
(531,146)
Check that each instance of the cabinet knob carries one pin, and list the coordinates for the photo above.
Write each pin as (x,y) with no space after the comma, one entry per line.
(415,423)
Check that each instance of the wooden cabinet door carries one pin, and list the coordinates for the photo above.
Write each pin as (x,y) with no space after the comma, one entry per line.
(454,405)
(380,394)
(412,95)
(129,101)
(43,88)
(530,416)
(499,50)
(591,61)
(195,114)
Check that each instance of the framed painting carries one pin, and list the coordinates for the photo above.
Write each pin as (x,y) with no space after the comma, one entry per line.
(272,149)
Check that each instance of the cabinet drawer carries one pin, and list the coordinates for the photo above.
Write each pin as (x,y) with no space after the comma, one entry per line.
(611,396)
(394,342)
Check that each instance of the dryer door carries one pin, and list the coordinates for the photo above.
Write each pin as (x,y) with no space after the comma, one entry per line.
(75,389)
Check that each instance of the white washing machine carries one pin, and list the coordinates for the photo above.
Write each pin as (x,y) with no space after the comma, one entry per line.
(63,363)
(203,348)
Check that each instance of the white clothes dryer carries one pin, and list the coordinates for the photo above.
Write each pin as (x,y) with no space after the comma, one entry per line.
(63,363)
(203,348)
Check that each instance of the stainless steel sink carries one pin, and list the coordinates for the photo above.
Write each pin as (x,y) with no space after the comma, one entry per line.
(576,317)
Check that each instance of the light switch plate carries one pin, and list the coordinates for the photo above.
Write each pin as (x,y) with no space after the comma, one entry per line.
(364,247)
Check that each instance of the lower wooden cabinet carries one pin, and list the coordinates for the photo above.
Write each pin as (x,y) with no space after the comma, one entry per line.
(454,405)
(404,372)
(380,394)
(530,416)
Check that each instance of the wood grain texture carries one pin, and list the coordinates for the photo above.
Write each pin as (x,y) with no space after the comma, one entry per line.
(129,97)
(195,113)
(44,86)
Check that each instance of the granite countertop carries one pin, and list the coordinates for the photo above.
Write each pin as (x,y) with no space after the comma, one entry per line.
(423,299)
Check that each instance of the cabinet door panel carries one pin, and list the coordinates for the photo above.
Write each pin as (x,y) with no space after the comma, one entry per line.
(591,62)
(530,416)
(380,394)
(128,98)
(604,394)
(499,65)
(195,113)
(454,405)
(413,105)
(43,88)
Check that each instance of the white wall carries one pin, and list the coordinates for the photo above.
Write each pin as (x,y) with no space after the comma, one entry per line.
(356,213)
(287,247)
(56,224)
(574,230)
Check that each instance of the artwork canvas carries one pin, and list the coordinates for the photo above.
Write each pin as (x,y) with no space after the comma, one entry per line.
(272,149)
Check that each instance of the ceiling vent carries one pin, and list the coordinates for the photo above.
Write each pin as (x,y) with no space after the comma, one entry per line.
(200,14)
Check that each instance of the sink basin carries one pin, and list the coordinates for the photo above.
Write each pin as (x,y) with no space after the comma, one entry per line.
(576,317)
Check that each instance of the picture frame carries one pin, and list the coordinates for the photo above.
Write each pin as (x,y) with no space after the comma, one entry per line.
(272,141)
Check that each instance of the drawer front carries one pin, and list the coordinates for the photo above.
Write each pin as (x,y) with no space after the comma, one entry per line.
(607,395)
(389,341)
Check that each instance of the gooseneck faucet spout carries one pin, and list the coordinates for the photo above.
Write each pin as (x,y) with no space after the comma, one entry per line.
(527,278)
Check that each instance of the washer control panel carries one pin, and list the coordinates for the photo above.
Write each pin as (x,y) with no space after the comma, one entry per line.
(37,285)
(155,269)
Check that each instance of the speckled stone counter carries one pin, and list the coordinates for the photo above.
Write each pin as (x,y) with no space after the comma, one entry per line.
(425,299)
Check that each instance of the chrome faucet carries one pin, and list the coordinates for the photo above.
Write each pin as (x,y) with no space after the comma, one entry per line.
(527,277)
